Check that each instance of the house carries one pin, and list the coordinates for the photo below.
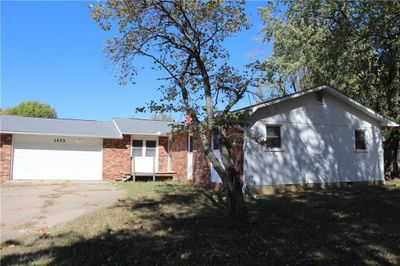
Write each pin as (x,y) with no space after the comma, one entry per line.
(316,136)
(313,137)
(70,149)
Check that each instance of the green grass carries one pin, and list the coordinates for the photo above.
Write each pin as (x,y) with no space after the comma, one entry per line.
(175,224)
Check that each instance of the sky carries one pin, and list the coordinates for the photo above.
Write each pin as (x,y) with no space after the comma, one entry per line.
(52,52)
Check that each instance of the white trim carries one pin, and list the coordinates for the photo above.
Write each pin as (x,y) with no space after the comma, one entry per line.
(11,159)
(144,138)
(189,157)
(146,134)
(273,149)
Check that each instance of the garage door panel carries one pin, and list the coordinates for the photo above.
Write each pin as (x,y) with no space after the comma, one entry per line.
(57,161)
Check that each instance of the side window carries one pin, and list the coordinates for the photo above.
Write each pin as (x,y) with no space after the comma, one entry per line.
(137,148)
(190,143)
(273,136)
(360,143)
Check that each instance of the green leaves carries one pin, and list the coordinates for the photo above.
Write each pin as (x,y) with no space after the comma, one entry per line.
(31,109)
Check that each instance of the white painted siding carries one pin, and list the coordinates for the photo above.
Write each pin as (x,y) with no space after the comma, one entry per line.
(41,158)
(317,144)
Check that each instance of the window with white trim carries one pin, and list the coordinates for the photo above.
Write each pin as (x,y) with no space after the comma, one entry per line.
(273,139)
(359,137)
(137,148)
(151,148)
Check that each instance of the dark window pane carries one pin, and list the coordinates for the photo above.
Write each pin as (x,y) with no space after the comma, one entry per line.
(150,143)
(360,140)
(137,143)
(273,136)
(273,131)
(190,143)
(274,142)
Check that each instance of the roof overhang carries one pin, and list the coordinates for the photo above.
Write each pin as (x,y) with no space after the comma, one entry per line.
(384,122)
(60,134)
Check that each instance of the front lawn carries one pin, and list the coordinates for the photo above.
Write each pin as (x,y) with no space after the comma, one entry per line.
(170,224)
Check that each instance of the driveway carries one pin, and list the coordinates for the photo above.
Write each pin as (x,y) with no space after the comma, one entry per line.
(28,207)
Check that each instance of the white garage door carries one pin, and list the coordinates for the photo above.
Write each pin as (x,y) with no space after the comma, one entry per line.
(56,158)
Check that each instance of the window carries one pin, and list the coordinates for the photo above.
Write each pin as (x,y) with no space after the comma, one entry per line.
(360,139)
(319,97)
(151,148)
(273,136)
(137,148)
(190,143)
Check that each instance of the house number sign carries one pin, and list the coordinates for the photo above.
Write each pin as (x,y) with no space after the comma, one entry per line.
(59,140)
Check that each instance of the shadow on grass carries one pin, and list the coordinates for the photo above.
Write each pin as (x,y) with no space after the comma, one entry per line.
(332,227)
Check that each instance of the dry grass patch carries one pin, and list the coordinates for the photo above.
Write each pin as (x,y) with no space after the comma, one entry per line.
(173,224)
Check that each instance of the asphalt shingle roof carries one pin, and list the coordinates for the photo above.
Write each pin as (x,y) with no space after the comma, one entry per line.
(61,127)
(142,126)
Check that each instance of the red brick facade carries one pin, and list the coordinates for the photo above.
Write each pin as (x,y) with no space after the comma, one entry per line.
(201,165)
(5,156)
(116,157)
(163,154)
(179,155)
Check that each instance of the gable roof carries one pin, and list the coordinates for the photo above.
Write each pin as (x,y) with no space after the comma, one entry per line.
(142,126)
(60,127)
(384,122)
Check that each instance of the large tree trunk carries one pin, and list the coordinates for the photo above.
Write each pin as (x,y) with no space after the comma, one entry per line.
(236,204)
(233,189)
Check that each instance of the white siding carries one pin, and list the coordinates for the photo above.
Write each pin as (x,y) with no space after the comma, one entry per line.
(317,144)
(40,157)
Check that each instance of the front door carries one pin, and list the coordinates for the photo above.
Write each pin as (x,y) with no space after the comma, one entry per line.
(144,156)
(190,157)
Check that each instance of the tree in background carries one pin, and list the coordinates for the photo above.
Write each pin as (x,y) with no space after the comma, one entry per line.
(353,46)
(184,40)
(31,109)
(162,117)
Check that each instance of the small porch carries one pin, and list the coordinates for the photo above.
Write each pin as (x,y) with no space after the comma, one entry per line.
(150,159)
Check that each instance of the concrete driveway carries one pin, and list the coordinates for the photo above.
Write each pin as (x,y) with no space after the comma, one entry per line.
(28,207)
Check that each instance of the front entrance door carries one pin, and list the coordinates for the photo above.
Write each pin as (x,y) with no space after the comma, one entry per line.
(144,156)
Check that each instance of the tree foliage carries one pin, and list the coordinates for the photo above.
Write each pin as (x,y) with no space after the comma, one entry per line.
(184,39)
(31,109)
(162,117)
(352,45)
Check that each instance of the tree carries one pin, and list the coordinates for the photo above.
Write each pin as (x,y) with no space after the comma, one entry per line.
(352,45)
(184,40)
(162,117)
(31,109)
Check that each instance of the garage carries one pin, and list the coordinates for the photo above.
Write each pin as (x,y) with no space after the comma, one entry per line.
(56,158)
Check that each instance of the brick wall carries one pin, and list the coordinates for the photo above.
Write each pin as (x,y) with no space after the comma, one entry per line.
(201,165)
(179,150)
(163,154)
(5,156)
(116,157)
